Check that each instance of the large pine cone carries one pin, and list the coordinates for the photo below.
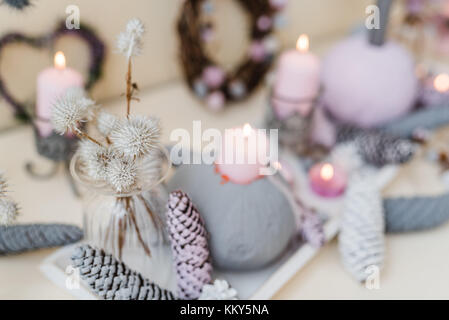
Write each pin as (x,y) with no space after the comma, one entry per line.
(376,147)
(112,279)
(189,244)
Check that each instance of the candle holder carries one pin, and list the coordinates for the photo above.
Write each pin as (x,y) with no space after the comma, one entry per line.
(294,130)
(54,147)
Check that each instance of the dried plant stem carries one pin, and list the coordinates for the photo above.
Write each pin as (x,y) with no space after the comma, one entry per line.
(80,134)
(129,90)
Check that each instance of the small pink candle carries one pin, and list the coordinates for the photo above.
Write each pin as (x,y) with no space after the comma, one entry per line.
(243,154)
(51,84)
(327,180)
(297,80)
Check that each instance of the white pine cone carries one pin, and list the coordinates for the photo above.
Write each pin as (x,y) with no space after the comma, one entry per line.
(361,239)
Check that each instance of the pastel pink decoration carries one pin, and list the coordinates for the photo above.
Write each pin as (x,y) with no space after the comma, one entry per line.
(278,4)
(324,132)
(297,80)
(264,23)
(368,85)
(215,101)
(208,35)
(51,84)
(213,76)
(327,180)
(243,154)
(257,51)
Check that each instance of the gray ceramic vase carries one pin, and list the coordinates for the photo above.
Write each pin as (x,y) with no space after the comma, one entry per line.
(249,225)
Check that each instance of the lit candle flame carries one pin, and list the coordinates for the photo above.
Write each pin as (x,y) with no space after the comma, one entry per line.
(327,172)
(247,130)
(59,60)
(441,82)
(302,45)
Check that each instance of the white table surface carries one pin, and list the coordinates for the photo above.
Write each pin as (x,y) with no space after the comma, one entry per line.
(417,264)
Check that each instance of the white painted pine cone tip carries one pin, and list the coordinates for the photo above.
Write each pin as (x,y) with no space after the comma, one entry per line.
(219,290)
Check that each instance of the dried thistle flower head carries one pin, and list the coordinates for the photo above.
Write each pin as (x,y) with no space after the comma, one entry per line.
(95,159)
(71,109)
(106,122)
(122,174)
(129,43)
(8,211)
(136,136)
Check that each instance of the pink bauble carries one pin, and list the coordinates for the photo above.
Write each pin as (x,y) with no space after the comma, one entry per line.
(215,101)
(257,51)
(264,23)
(278,4)
(368,85)
(213,76)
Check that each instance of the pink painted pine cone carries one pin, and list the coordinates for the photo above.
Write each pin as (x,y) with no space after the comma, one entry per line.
(190,247)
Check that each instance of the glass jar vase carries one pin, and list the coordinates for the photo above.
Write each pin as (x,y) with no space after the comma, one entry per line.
(130,226)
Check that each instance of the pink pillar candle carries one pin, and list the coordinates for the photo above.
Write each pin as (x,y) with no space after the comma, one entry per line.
(327,180)
(243,154)
(297,80)
(51,84)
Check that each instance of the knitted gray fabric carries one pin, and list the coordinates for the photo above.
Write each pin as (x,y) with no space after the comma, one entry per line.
(414,214)
(429,118)
(20,238)
(376,147)
(113,280)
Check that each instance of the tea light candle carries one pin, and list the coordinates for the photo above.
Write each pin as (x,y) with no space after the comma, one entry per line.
(297,80)
(243,154)
(51,84)
(327,180)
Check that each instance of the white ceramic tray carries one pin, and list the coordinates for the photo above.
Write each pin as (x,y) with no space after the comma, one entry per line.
(256,284)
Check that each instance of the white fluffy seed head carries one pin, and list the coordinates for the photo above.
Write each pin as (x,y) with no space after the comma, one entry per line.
(95,159)
(136,137)
(8,211)
(129,42)
(122,174)
(71,109)
(106,122)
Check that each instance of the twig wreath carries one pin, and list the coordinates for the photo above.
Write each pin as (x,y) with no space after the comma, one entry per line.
(97,54)
(204,76)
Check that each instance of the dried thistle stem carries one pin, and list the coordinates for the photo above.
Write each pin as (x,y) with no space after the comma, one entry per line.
(129,90)
(80,134)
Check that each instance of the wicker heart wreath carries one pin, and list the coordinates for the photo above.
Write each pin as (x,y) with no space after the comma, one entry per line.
(97,53)
(208,80)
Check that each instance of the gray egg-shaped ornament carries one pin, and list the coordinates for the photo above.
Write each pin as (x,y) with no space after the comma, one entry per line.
(249,225)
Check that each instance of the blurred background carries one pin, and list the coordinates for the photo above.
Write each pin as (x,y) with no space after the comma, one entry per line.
(325,21)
